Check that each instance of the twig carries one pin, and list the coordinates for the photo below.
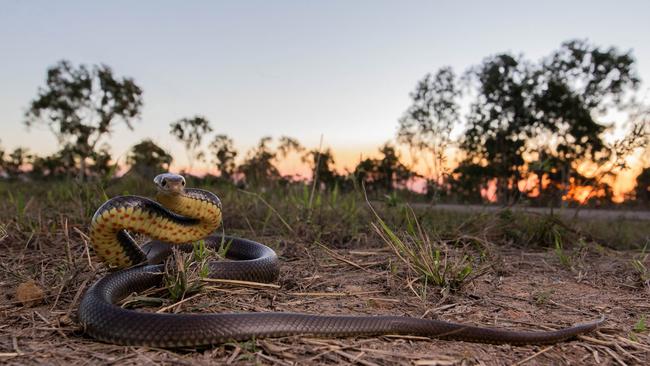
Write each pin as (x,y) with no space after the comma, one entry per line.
(234,355)
(241,283)
(85,239)
(66,233)
(272,359)
(341,258)
(411,337)
(76,297)
(614,356)
(44,319)
(335,293)
(164,309)
(533,356)
(594,340)
(354,358)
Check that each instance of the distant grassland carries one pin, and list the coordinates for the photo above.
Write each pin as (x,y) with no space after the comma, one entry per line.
(333,218)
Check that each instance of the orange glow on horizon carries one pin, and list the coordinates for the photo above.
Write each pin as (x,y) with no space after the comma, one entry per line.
(347,158)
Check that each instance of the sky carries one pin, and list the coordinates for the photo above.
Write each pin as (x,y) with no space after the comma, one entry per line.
(342,70)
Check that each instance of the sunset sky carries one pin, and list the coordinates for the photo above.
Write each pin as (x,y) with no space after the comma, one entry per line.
(340,69)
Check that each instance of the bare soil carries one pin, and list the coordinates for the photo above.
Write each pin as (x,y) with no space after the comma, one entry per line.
(521,289)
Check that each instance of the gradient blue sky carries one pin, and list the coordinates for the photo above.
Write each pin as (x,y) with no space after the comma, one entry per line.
(299,68)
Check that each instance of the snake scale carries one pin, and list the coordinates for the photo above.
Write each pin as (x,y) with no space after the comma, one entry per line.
(182,215)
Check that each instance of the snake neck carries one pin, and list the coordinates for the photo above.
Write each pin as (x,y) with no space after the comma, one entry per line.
(194,203)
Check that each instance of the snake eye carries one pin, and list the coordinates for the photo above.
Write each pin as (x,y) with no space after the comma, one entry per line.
(164,182)
(183,183)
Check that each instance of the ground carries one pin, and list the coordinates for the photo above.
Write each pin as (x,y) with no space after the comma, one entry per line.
(518,288)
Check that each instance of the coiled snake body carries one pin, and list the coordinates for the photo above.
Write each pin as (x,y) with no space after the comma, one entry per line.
(187,215)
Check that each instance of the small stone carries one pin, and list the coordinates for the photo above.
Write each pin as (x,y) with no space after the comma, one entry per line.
(29,293)
(65,320)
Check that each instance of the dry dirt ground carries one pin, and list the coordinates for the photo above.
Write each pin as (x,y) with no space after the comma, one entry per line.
(521,289)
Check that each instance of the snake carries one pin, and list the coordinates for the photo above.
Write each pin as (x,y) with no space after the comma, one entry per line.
(180,216)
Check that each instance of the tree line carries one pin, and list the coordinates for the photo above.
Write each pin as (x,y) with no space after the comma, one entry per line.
(529,130)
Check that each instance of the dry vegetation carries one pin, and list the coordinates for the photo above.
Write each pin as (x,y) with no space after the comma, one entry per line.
(499,269)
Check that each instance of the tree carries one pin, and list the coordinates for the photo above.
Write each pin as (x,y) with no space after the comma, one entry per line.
(500,121)
(148,159)
(258,167)
(469,180)
(224,154)
(322,166)
(17,160)
(287,145)
(190,132)
(385,173)
(525,118)
(366,173)
(61,163)
(390,170)
(2,162)
(49,167)
(101,163)
(426,126)
(573,86)
(642,188)
(82,104)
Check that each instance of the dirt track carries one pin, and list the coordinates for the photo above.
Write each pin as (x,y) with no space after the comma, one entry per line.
(583,213)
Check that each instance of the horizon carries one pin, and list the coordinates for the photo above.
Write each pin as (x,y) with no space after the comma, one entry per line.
(337,70)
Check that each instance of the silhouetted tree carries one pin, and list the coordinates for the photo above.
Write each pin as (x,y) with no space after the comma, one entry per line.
(190,131)
(383,174)
(427,124)
(544,167)
(322,167)
(366,172)
(500,121)
(148,159)
(258,167)
(49,167)
(16,161)
(224,154)
(60,164)
(82,104)
(2,162)
(287,145)
(468,180)
(642,188)
(101,163)
(547,112)
(573,86)
(390,170)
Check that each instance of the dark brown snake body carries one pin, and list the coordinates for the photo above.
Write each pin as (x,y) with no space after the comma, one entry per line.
(104,320)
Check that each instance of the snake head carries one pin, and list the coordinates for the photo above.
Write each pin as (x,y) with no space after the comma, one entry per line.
(169,183)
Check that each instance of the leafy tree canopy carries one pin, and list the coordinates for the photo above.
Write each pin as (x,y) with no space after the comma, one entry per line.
(82,104)
(148,159)
(190,131)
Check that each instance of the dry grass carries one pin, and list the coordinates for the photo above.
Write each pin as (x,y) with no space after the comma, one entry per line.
(351,272)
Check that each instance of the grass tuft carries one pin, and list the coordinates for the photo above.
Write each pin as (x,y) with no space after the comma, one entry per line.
(184,271)
(433,261)
(639,266)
